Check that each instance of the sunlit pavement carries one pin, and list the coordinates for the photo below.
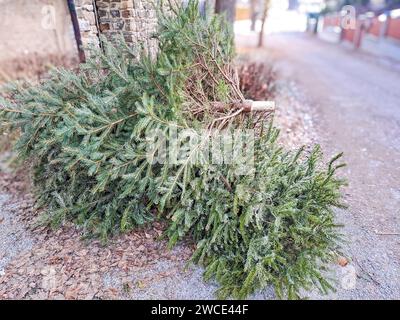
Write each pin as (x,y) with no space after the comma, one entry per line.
(278,21)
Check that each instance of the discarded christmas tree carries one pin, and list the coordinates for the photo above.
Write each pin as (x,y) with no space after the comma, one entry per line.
(96,140)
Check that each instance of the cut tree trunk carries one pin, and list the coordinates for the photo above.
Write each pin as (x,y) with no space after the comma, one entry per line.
(246,106)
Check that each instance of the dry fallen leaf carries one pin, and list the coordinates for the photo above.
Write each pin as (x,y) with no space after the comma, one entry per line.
(141,284)
(342,261)
(71,294)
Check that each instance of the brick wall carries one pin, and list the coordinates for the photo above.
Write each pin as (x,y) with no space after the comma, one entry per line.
(135,19)
(87,21)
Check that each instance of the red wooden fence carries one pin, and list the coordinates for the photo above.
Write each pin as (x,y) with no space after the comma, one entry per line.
(393,30)
(376,27)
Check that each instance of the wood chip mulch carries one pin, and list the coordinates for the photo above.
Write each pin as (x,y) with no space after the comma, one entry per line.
(60,265)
